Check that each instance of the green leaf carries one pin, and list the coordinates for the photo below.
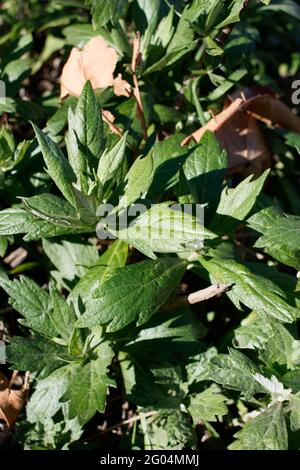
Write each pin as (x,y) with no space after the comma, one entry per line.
(103,11)
(52,209)
(165,230)
(63,315)
(294,408)
(286,251)
(205,167)
(79,34)
(48,392)
(254,332)
(16,220)
(232,80)
(58,166)
(137,181)
(287,6)
(182,43)
(111,161)
(284,231)
(114,257)
(168,156)
(212,47)
(207,405)
(231,13)
(134,293)
(35,354)
(251,289)
(71,257)
(235,371)
(3,245)
(199,8)
(235,204)
(32,302)
(85,138)
(292,380)
(164,31)
(87,387)
(176,332)
(198,369)
(265,432)
(281,348)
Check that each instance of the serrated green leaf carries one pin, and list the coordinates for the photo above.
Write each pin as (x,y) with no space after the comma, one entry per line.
(3,245)
(198,369)
(205,168)
(231,13)
(281,348)
(235,371)
(251,289)
(286,250)
(63,315)
(111,161)
(35,354)
(32,302)
(103,11)
(254,332)
(87,387)
(176,332)
(58,166)
(235,204)
(52,209)
(85,138)
(46,398)
(265,432)
(294,408)
(283,231)
(134,293)
(168,156)
(162,229)
(137,181)
(114,257)
(71,257)
(207,405)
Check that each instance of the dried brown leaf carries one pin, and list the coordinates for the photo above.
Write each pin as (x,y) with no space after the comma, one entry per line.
(95,62)
(239,133)
(11,401)
(122,87)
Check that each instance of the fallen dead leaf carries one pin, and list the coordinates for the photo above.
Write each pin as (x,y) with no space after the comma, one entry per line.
(122,87)
(95,62)
(109,118)
(11,401)
(238,130)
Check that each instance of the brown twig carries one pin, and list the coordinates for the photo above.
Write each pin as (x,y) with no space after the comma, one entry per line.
(136,58)
(196,297)
(131,420)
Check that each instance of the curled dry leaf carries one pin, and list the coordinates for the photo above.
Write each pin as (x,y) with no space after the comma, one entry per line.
(239,132)
(109,118)
(11,401)
(95,62)
(121,87)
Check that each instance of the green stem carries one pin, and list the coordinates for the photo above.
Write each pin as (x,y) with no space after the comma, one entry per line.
(200,112)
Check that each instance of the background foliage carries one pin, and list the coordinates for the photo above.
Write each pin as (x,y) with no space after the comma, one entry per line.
(117,358)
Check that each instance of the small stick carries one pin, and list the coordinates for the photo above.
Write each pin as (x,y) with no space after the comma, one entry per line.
(136,57)
(196,297)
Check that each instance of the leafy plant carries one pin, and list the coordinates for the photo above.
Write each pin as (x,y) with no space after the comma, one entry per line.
(186,318)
